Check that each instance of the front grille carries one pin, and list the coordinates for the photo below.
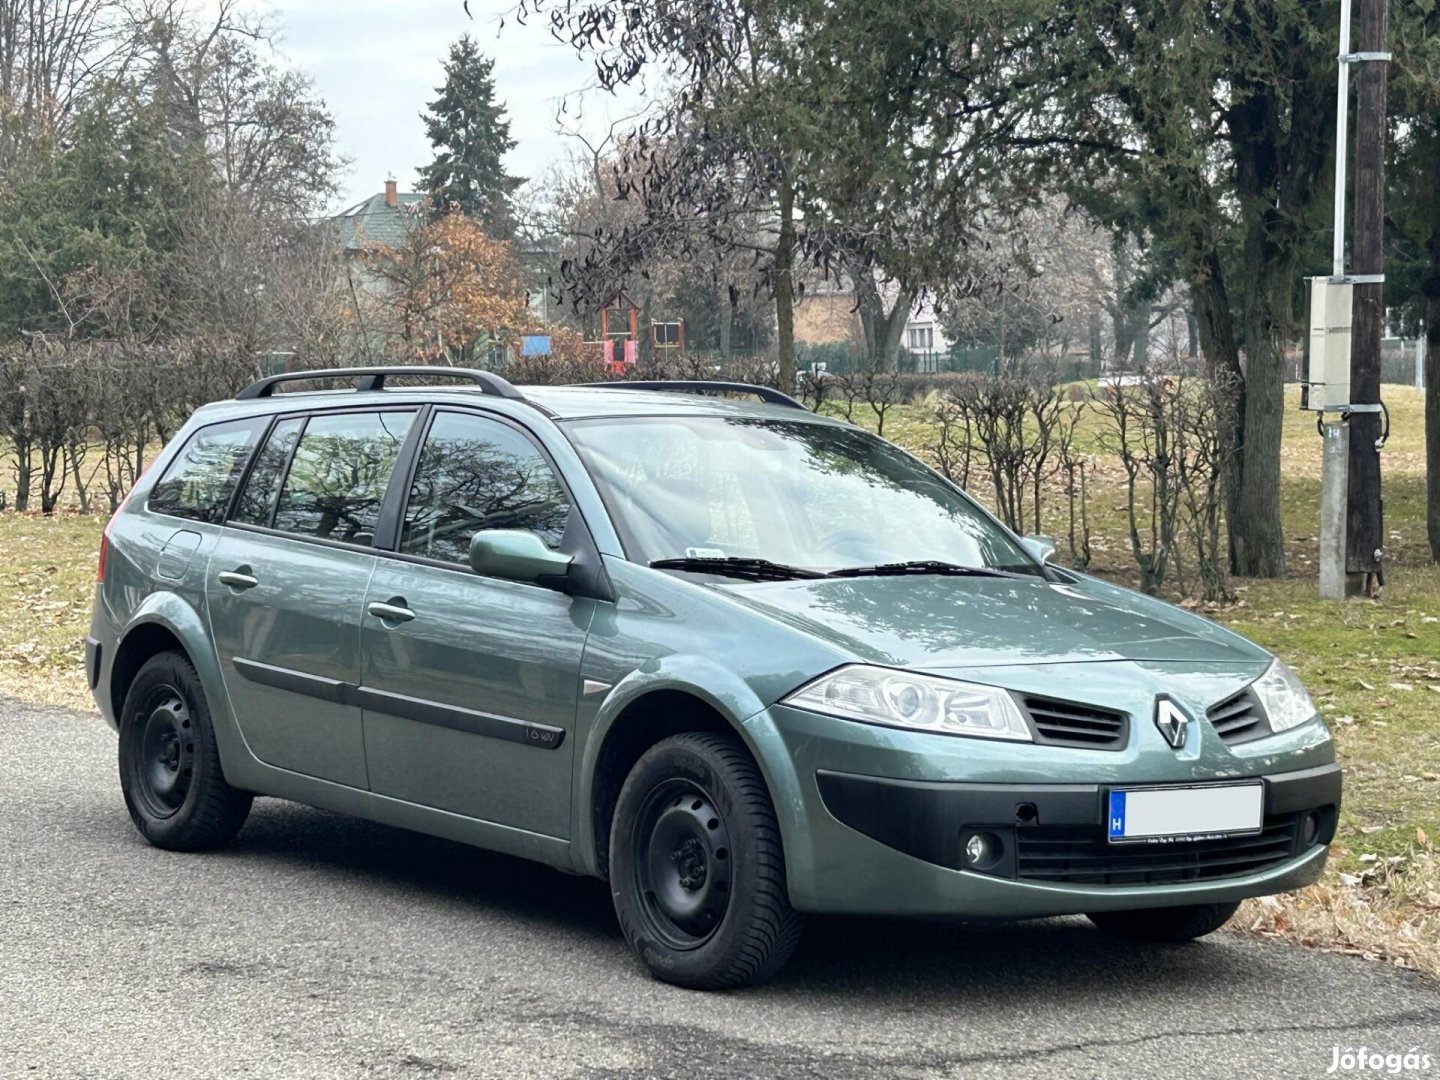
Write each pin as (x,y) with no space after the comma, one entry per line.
(1064,723)
(1239,718)
(1081,855)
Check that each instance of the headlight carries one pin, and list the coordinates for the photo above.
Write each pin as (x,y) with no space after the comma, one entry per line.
(918,702)
(1285,699)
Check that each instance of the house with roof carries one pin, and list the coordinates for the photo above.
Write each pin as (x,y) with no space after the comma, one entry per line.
(385,219)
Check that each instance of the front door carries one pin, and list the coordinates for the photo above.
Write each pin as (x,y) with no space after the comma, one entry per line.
(286,588)
(470,684)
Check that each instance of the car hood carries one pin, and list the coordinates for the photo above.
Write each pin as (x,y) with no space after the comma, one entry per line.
(936,622)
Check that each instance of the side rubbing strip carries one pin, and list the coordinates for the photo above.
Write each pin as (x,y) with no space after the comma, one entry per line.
(407,708)
(458,719)
(297,682)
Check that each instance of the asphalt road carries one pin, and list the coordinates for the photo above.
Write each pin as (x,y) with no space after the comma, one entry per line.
(321,946)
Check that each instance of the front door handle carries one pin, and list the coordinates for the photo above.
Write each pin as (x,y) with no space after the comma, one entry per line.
(239,578)
(392,611)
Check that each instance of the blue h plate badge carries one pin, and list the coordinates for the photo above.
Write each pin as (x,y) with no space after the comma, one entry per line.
(1117,814)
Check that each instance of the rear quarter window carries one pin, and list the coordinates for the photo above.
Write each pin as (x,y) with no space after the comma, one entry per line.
(198,482)
(257,498)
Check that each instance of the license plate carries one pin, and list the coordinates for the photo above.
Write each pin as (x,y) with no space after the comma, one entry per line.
(1185,813)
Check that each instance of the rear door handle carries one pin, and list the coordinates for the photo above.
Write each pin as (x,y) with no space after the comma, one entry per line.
(238,579)
(394,611)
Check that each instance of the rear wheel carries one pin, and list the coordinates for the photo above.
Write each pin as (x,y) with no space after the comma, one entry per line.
(1173,924)
(169,765)
(696,868)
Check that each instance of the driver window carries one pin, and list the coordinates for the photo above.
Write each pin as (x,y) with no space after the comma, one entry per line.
(475,474)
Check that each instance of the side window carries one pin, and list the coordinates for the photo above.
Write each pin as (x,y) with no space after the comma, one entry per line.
(197,484)
(257,497)
(338,476)
(476,474)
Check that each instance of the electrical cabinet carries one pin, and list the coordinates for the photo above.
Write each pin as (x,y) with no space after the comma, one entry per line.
(1327,380)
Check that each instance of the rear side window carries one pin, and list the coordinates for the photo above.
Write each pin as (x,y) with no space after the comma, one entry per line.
(338,476)
(257,498)
(198,482)
(476,474)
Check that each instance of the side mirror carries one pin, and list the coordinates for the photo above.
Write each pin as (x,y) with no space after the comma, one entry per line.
(516,555)
(1042,547)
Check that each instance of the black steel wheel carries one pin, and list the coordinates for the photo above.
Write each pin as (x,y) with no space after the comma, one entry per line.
(696,867)
(683,878)
(169,764)
(166,750)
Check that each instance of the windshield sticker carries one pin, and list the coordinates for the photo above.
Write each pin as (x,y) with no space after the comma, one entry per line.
(704,553)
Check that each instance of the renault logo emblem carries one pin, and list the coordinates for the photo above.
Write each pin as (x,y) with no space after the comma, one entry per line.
(1173,723)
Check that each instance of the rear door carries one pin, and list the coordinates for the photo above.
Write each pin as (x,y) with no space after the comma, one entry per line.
(286,587)
(470,693)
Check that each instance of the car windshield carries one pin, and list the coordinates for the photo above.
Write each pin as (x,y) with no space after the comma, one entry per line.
(795,493)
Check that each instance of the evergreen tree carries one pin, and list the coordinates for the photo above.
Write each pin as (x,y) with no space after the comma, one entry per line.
(470,134)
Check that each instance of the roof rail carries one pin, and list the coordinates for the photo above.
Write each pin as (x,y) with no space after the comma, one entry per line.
(767,394)
(373,378)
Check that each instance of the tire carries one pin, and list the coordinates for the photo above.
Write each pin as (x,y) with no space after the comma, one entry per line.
(696,867)
(1167,924)
(169,765)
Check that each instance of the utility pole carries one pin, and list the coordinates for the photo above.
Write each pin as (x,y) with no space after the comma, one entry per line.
(1364,527)
(1327,353)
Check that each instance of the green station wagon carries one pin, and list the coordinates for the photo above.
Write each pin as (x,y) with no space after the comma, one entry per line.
(741,661)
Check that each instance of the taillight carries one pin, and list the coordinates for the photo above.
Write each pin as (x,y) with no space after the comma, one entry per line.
(105,534)
(104,551)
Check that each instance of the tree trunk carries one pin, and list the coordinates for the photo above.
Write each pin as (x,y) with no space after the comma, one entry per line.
(1140,351)
(726,314)
(1432,402)
(644,355)
(785,288)
(883,329)
(23,473)
(1267,158)
(1432,362)
(1215,327)
(1257,536)
(894,329)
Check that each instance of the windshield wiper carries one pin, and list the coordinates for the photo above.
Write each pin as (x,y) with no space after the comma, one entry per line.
(753,569)
(921,566)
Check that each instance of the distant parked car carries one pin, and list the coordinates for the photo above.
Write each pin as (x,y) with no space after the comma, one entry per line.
(740,660)
(1112,386)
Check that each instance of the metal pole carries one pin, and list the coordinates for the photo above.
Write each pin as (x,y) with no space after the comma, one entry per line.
(1335,454)
(1335,584)
(1342,142)
(1420,362)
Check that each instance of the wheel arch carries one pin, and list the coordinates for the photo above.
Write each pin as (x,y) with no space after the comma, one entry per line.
(627,726)
(165,621)
(140,644)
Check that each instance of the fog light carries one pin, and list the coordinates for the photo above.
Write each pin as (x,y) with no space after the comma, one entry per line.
(1309,829)
(983,851)
(977,850)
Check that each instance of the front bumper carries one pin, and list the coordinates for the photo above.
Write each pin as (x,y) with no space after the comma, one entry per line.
(874,820)
(1056,832)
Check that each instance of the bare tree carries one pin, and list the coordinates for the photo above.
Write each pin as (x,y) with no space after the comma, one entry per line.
(1076,466)
(51,53)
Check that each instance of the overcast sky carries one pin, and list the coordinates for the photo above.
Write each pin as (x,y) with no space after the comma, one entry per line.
(377,64)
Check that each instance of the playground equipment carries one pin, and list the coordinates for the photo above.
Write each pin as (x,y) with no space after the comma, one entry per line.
(619,342)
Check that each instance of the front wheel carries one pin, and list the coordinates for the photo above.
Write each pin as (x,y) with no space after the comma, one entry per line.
(1167,924)
(696,868)
(169,763)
